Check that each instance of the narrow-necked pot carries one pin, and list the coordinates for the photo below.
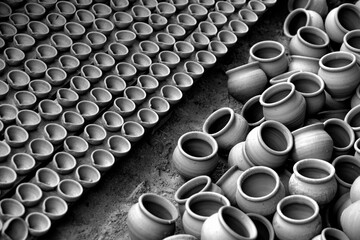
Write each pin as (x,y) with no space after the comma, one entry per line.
(55,76)
(171,94)
(67,9)
(63,163)
(5,151)
(46,53)
(159,105)
(87,109)
(102,160)
(54,207)
(38,30)
(72,121)
(74,30)
(19,20)
(15,228)
(95,40)
(22,163)
(80,50)
(46,178)
(175,30)
(13,56)
(23,41)
(112,121)
(49,109)
(84,17)
(18,79)
(76,146)
(69,190)
(28,119)
(38,224)
(118,145)
(11,208)
(28,194)
(41,149)
(25,99)
(16,136)
(347,169)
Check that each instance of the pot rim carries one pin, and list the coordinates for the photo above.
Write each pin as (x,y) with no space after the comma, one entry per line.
(190,185)
(45,220)
(337,55)
(272,90)
(350,7)
(314,163)
(348,36)
(267,43)
(242,67)
(311,77)
(59,200)
(334,232)
(215,116)
(347,159)
(314,31)
(256,170)
(353,112)
(12,201)
(345,126)
(37,196)
(247,106)
(264,221)
(291,16)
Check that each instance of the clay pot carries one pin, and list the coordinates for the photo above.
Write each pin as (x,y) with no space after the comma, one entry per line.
(55,21)
(246,81)
(24,100)
(39,88)
(217,18)
(69,63)
(66,97)
(355,99)
(165,9)
(147,117)
(55,133)
(226,127)
(200,207)
(76,146)
(159,71)
(47,179)
(118,5)
(347,169)
(126,71)
(156,213)
(87,109)
(5,151)
(239,28)
(132,131)
(175,30)
(46,53)
(49,109)
(179,4)
(157,22)
(124,106)
(169,58)
(149,48)
(47,4)
(94,134)
(248,17)
(225,8)
(38,223)
(197,11)
(112,121)
(125,37)
(28,119)
(72,121)
(259,189)
(63,162)
(69,190)
(16,136)
(95,40)
(102,160)
(182,81)
(171,94)
(317,6)
(198,184)
(11,208)
(103,26)
(122,20)
(227,183)
(87,175)
(34,10)
(8,113)
(13,56)
(350,44)
(183,49)
(294,214)
(269,144)
(336,28)
(6,12)
(80,50)
(304,64)
(148,83)
(84,17)
(354,190)
(54,207)
(328,233)
(186,21)
(23,41)
(207,28)
(74,30)
(217,48)
(140,13)
(91,73)
(37,30)
(283,77)
(8,31)
(227,37)
(22,163)
(79,85)
(118,145)
(141,61)
(238,156)
(348,218)
(19,20)
(257,7)
(342,135)
(67,9)
(252,112)
(159,105)
(40,149)
(263,225)
(142,30)
(2,68)
(195,154)
(164,40)
(61,42)
(238,4)
(314,178)
(18,79)
(341,65)
(56,76)
(118,51)
(206,3)
(205,58)
(101,10)
(352,118)
(285,99)
(15,228)
(100,96)
(199,40)
(28,194)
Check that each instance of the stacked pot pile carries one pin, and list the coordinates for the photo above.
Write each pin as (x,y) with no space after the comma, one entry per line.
(293,152)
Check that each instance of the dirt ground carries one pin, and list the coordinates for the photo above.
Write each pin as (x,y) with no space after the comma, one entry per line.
(102,212)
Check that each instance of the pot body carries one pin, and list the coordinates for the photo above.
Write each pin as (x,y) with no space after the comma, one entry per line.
(352,118)
(347,169)
(331,233)
(246,81)
(301,17)
(303,63)
(238,157)
(349,218)
(351,43)
(227,183)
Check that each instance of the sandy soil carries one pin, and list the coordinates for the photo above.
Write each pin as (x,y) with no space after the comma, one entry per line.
(102,212)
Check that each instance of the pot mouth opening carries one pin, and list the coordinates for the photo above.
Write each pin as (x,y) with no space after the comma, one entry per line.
(277,94)
(298,209)
(352,40)
(341,133)
(313,36)
(219,122)
(267,51)
(296,19)
(353,118)
(252,111)
(347,17)
(314,170)
(308,84)
(199,146)
(346,171)
(191,187)
(337,61)
(275,138)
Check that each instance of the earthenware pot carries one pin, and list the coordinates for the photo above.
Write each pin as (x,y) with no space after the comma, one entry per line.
(263,225)
(47,179)
(55,21)
(294,214)
(227,183)
(16,136)
(239,28)
(142,30)
(169,58)
(38,223)
(88,110)
(226,127)
(342,135)
(8,31)
(207,28)
(23,41)
(74,30)
(61,42)
(63,162)
(206,3)
(257,7)
(246,81)
(141,61)
(118,50)
(200,207)
(103,26)
(357,148)
(2,68)
(186,21)
(18,79)
(22,163)
(72,121)
(355,99)
(217,18)
(40,149)
(7,11)
(283,77)
(183,49)
(28,194)
(102,160)
(8,113)
(317,6)
(69,190)
(56,76)
(197,11)
(159,71)
(118,5)
(259,189)
(5,151)
(252,112)
(122,20)
(112,121)
(147,117)
(49,109)
(124,106)
(238,4)
(175,30)
(11,208)
(238,156)
(125,37)
(46,53)
(284,98)
(140,13)
(225,8)
(269,144)
(217,48)
(171,94)
(300,17)
(347,169)
(132,131)
(152,217)
(24,100)
(95,40)
(125,70)
(193,69)
(354,190)
(84,17)
(348,218)
(179,4)
(148,83)
(337,25)
(87,175)
(79,84)
(329,233)
(165,9)
(339,65)
(303,63)
(159,105)
(218,225)
(67,9)
(195,154)
(157,22)
(15,228)
(352,118)
(205,58)
(80,50)
(47,4)
(94,134)
(13,56)
(199,40)
(101,10)
(54,207)
(28,119)
(19,20)
(350,44)
(39,88)
(38,30)
(55,133)
(227,37)
(118,145)
(182,81)
(66,97)
(34,10)
(76,146)
(314,178)
(248,17)
(91,73)
(149,48)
